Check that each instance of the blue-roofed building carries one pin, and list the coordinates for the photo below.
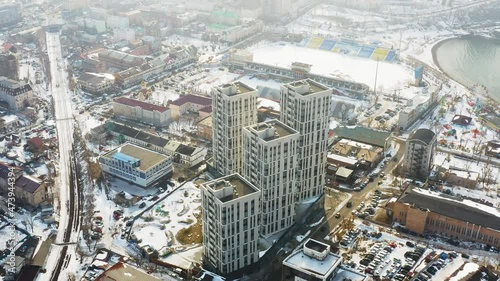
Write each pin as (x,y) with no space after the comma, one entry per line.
(138,165)
(134,162)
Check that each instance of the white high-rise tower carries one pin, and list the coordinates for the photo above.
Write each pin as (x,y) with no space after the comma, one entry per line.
(230,209)
(305,106)
(270,163)
(234,106)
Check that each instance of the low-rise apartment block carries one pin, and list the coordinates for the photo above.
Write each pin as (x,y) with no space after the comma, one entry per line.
(140,111)
(27,189)
(192,103)
(183,154)
(17,95)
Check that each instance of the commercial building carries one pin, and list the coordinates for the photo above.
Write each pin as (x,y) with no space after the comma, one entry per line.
(9,66)
(423,211)
(124,34)
(237,57)
(270,162)
(93,24)
(119,60)
(95,83)
(230,208)
(136,165)
(313,262)
(27,189)
(234,106)
(144,112)
(420,147)
(17,95)
(417,107)
(237,33)
(92,65)
(117,22)
(305,106)
(192,103)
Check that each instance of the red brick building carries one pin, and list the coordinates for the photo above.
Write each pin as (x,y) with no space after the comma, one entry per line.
(423,211)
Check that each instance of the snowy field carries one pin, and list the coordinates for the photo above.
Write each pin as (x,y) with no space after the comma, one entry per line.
(390,75)
(169,216)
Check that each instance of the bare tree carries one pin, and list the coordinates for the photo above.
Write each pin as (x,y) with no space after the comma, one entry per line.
(28,222)
(71,276)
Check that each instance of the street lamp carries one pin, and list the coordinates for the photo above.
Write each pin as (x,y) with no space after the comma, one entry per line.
(375,84)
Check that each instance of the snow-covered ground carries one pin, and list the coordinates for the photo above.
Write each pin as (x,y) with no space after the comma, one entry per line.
(172,214)
(468,268)
(391,76)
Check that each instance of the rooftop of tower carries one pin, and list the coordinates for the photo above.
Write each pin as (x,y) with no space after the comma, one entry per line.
(237,88)
(306,87)
(231,187)
(271,130)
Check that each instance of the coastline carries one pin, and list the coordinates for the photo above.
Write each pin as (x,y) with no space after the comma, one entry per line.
(436,46)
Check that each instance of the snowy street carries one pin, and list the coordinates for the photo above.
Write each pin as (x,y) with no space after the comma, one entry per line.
(64,122)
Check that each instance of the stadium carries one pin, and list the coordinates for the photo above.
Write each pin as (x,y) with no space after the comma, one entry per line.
(349,47)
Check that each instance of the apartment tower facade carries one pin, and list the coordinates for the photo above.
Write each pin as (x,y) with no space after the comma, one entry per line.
(234,106)
(230,209)
(270,162)
(420,148)
(305,106)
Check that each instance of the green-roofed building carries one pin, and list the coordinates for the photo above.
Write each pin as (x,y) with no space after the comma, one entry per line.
(224,18)
(362,134)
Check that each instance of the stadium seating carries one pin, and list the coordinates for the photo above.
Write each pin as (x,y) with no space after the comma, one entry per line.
(349,47)
(327,45)
(315,42)
(391,55)
(366,52)
(379,54)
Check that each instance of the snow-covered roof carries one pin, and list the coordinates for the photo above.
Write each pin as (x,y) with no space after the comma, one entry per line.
(342,159)
(10,118)
(348,274)
(453,207)
(465,174)
(309,265)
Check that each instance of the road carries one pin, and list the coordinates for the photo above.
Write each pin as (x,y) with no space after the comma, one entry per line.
(64,191)
(357,197)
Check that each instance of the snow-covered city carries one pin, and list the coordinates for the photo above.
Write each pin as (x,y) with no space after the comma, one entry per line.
(250,140)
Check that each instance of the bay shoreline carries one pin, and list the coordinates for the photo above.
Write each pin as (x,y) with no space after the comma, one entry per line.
(434,49)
